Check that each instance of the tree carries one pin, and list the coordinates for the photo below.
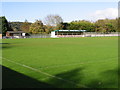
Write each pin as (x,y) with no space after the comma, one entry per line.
(81,25)
(53,20)
(106,25)
(119,24)
(37,27)
(115,24)
(110,28)
(48,28)
(62,26)
(16,26)
(25,26)
(4,26)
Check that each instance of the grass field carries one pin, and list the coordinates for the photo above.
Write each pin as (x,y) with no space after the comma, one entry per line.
(89,62)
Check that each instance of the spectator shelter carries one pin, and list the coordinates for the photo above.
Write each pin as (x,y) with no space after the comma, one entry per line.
(67,33)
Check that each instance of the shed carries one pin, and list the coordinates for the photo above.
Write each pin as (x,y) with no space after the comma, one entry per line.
(15,34)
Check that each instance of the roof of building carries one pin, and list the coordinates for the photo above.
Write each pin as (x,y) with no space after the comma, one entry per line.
(70,30)
(15,31)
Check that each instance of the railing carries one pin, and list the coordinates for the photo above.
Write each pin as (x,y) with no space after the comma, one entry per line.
(92,34)
(96,34)
(31,36)
(39,36)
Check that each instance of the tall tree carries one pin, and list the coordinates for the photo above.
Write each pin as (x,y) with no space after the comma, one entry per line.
(62,26)
(25,26)
(37,27)
(16,26)
(81,25)
(4,26)
(48,28)
(53,20)
(118,24)
(106,25)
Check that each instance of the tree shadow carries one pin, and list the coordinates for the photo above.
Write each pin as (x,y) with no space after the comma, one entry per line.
(68,79)
(13,79)
(4,45)
(109,79)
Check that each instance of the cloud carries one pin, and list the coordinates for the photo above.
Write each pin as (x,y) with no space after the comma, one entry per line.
(110,13)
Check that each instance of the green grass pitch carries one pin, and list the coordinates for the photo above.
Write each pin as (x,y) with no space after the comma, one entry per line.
(88,62)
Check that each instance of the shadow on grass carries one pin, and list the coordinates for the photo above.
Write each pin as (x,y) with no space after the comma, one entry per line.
(68,79)
(13,79)
(108,79)
(111,78)
(4,45)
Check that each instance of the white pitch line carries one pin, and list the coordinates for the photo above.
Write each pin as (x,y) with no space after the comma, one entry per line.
(47,74)
(75,63)
(56,67)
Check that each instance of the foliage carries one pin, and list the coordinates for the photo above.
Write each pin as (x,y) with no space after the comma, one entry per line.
(55,22)
(16,26)
(37,27)
(62,26)
(103,26)
(119,24)
(25,26)
(49,28)
(106,26)
(82,25)
(4,26)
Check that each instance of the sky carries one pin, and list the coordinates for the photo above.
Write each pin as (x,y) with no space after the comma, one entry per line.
(69,11)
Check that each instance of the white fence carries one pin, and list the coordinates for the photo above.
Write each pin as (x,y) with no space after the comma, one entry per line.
(30,36)
(85,34)
(94,34)
(39,36)
(91,34)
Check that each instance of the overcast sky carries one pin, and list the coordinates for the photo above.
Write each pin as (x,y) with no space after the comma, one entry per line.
(69,11)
